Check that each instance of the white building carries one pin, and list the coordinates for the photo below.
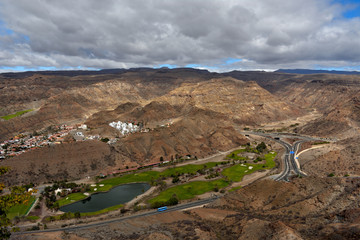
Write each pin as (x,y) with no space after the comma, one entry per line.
(124,128)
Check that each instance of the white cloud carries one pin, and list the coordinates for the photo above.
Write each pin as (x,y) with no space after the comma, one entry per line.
(129,33)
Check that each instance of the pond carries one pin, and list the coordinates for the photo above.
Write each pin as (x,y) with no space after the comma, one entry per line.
(117,195)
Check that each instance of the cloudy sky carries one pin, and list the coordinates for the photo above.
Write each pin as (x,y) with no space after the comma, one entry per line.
(219,35)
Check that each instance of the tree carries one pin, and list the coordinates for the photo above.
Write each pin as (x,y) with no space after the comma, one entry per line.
(261,147)
(77,215)
(173,200)
(17,195)
(175,179)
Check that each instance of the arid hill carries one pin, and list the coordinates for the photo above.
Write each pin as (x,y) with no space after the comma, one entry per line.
(68,161)
(246,102)
(343,120)
(60,99)
(195,112)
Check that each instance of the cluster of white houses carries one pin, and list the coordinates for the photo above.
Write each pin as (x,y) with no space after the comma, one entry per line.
(125,128)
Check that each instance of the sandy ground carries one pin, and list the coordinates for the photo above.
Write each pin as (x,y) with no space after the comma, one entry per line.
(248,179)
(212,214)
(131,225)
(300,120)
(316,151)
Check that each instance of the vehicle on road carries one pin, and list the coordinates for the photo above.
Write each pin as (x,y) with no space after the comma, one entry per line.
(161,209)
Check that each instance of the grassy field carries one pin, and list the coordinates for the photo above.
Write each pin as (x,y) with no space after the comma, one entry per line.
(234,154)
(234,189)
(32,218)
(130,178)
(189,190)
(187,169)
(8,117)
(72,215)
(269,158)
(237,172)
(147,176)
(71,198)
(20,210)
(185,191)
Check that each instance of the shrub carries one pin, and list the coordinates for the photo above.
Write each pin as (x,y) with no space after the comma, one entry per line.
(77,215)
(261,147)
(175,179)
(158,204)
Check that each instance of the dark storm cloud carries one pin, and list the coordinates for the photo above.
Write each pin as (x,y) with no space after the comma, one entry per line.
(129,33)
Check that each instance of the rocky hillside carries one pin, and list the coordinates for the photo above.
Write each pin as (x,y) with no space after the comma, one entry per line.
(56,163)
(246,102)
(191,130)
(59,99)
(342,120)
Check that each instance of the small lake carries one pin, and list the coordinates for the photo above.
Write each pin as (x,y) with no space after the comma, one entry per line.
(117,195)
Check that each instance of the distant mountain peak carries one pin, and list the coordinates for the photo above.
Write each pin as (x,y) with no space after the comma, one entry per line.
(312,71)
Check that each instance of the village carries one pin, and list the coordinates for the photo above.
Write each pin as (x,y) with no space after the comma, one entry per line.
(51,136)
(24,142)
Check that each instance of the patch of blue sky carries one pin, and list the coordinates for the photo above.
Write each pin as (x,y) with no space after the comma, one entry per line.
(200,66)
(17,69)
(223,63)
(229,61)
(44,68)
(171,66)
(352,8)
(4,30)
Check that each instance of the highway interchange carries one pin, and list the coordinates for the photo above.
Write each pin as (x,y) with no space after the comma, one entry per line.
(291,165)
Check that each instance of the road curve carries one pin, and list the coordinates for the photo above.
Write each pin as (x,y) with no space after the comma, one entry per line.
(290,163)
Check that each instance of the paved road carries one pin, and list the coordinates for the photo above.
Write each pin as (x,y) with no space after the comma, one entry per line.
(290,163)
(150,213)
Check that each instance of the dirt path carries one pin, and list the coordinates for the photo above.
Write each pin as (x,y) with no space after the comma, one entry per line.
(248,179)
(140,197)
(218,157)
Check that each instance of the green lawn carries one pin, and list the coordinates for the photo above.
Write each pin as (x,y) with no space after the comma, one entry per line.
(71,198)
(105,210)
(237,172)
(130,178)
(71,215)
(269,158)
(234,154)
(21,209)
(8,117)
(234,173)
(32,218)
(151,175)
(189,190)
(187,169)
(234,189)
(147,176)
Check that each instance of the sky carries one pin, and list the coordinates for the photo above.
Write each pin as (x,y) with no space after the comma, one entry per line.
(218,35)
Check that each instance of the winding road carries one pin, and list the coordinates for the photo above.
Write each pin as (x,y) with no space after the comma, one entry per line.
(291,166)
